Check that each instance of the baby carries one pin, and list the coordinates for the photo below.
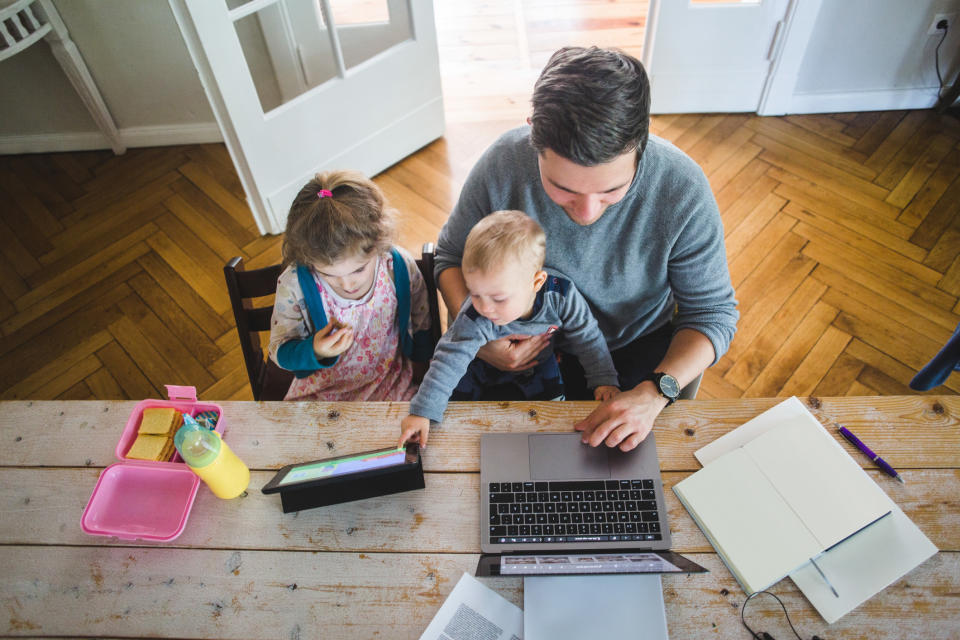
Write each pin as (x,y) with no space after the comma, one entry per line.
(510,294)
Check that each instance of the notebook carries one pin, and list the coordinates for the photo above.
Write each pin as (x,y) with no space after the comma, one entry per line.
(861,566)
(781,499)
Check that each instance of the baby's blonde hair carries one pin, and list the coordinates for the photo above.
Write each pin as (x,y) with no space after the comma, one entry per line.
(354,218)
(502,238)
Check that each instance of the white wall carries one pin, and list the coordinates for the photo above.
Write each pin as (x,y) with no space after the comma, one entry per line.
(137,58)
(875,54)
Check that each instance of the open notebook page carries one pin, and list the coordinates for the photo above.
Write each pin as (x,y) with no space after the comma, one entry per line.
(757,534)
(829,492)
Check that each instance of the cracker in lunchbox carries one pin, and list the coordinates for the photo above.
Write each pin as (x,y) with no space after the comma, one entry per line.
(148,447)
(159,421)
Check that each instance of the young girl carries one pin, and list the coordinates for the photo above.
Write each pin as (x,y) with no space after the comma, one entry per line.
(351,318)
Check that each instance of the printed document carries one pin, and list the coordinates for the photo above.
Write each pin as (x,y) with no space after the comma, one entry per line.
(475,612)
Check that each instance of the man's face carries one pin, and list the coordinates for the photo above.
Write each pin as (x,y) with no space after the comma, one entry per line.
(584,193)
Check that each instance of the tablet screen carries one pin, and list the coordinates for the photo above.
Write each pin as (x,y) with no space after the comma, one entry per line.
(340,466)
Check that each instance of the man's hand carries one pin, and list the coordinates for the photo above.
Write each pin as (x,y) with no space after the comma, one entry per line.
(332,340)
(515,352)
(414,429)
(625,420)
(605,392)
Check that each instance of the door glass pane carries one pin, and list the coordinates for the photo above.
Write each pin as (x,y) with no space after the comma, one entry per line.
(257,56)
(370,27)
(359,11)
(277,42)
(289,50)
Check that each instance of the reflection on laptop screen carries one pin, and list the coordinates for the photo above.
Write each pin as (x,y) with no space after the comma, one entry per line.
(532,565)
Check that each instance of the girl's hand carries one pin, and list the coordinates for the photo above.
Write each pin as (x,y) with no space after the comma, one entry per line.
(414,429)
(605,392)
(332,340)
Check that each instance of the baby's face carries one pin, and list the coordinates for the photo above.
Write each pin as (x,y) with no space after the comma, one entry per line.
(350,277)
(505,294)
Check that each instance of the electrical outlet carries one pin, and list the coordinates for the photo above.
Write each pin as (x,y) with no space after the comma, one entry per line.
(951,19)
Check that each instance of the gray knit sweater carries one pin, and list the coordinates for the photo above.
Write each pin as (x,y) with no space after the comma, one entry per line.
(659,248)
(557,304)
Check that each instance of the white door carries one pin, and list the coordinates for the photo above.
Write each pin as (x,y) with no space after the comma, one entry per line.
(301,86)
(708,56)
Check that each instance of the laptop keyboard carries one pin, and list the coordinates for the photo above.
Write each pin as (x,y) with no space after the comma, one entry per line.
(574,511)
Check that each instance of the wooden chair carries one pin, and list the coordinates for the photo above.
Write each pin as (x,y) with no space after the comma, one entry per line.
(267,380)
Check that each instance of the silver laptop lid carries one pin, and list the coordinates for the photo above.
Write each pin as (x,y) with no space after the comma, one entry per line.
(526,476)
(617,607)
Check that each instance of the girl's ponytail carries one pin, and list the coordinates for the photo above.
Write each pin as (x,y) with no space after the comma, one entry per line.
(337,214)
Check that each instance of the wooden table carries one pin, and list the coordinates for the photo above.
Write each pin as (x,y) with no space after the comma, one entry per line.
(382,567)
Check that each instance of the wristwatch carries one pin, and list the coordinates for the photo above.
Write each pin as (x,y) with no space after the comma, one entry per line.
(666,384)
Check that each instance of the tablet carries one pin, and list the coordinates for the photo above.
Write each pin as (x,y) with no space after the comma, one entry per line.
(355,476)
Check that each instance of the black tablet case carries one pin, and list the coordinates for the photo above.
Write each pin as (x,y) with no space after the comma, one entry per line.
(357,486)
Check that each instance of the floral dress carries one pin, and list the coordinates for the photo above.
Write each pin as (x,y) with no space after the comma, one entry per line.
(373,367)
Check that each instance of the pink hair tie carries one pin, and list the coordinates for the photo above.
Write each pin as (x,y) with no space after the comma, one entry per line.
(324,193)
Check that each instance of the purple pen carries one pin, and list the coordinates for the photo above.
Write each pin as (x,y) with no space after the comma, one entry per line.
(877,460)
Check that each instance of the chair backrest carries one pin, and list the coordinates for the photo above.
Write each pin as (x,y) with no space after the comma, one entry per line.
(267,380)
(425,262)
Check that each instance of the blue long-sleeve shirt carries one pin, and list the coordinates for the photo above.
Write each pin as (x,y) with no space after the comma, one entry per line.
(557,304)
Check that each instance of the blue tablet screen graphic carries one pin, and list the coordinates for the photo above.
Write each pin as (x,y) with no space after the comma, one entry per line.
(342,466)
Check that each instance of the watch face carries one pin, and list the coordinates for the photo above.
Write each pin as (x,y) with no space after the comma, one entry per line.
(669,386)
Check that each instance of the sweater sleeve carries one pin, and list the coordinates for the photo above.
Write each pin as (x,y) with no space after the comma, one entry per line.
(456,349)
(473,204)
(699,275)
(582,337)
(291,333)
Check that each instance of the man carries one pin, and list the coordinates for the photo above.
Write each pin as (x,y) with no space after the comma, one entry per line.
(629,218)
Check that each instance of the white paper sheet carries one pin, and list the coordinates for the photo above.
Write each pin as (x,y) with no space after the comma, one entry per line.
(860,567)
(473,611)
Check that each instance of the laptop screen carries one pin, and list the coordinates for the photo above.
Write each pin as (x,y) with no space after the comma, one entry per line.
(579,564)
(585,563)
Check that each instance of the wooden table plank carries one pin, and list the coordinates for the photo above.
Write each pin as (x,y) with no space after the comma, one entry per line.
(44,506)
(909,431)
(124,592)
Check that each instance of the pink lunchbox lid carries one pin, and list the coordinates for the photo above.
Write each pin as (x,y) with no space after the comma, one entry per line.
(145,500)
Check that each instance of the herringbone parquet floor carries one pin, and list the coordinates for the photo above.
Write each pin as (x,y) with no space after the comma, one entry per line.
(843,236)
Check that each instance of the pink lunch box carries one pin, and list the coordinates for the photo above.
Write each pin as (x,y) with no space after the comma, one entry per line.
(141,499)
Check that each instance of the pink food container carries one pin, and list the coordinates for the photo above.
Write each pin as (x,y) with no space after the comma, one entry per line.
(141,499)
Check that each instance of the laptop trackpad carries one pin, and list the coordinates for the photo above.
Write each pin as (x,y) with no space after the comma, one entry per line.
(561,456)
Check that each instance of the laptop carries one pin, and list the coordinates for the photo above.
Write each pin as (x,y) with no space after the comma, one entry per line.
(551,505)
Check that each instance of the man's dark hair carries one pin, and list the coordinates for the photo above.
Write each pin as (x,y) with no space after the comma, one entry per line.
(591,105)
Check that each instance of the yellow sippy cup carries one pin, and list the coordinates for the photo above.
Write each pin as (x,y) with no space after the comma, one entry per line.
(209,457)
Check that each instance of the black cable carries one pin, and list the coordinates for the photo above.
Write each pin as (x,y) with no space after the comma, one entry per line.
(763,635)
(936,58)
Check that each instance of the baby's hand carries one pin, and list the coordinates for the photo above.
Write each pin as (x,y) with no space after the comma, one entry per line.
(414,429)
(605,392)
(332,340)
